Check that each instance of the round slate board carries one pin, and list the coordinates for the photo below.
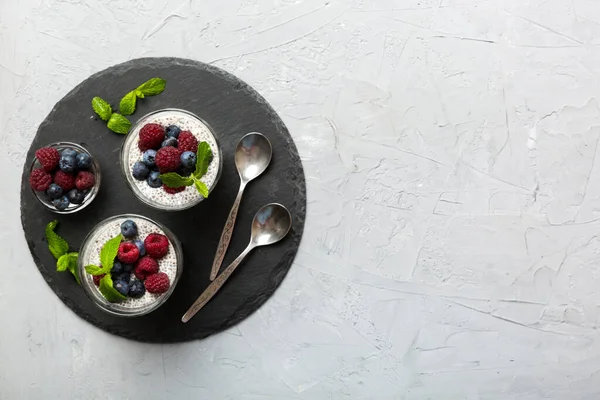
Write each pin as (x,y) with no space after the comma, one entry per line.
(232,108)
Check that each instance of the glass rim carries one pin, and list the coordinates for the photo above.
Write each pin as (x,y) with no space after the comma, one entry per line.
(112,308)
(128,142)
(93,192)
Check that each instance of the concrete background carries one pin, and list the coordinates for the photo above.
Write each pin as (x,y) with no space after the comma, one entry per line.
(451,247)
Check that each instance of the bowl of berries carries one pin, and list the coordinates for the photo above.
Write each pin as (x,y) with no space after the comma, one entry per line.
(64,177)
(171,159)
(129,265)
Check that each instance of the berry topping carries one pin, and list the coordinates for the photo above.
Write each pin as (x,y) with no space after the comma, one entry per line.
(122,287)
(68,153)
(48,157)
(67,163)
(168,159)
(84,161)
(61,203)
(172,131)
(76,196)
(151,136)
(154,180)
(54,191)
(129,229)
(117,268)
(169,142)
(188,160)
(97,279)
(140,171)
(128,267)
(85,180)
(188,142)
(65,180)
(123,276)
(157,245)
(171,190)
(136,289)
(145,266)
(140,246)
(128,253)
(149,158)
(157,283)
(40,180)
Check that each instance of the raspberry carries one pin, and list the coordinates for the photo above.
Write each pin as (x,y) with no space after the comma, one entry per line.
(64,180)
(151,136)
(48,157)
(145,267)
(128,252)
(156,245)
(168,159)
(157,283)
(97,279)
(40,180)
(85,180)
(171,190)
(187,142)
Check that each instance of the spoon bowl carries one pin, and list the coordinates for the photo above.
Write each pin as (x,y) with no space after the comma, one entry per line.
(271,223)
(252,155)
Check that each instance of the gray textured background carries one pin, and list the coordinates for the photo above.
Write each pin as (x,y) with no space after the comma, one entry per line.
(451,247)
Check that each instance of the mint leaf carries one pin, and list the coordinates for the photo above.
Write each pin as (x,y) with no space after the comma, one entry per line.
(94,270)
(108,291)
(201,188)
(73,267)
(62,263)
(203,158)
(57,245)
(174,180)
(127,104)
(109,252)
(118,123)
(139,93)
(152,87)
(68,262)
(102,108)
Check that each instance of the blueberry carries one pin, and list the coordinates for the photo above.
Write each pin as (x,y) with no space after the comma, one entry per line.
(84,161)
(128,267)
(68,152)
(123,276)
(122,287)
(186,171)
(140,171)
(76,196)
(173,131)
(117,268)
(136,289)
(54,191)
(128,228)
(188,159)
(149,158)
(61,203)
(153,180)
(169,142)
(68,163)
(141,247)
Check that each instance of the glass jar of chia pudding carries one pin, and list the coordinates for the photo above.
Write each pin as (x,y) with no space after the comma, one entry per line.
(145,186)
(171,264)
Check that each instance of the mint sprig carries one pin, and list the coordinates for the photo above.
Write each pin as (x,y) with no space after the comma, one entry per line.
(108,291)
(127,104)
(151,87)
(59,249)
(102,108)
(119,124)
(204,156)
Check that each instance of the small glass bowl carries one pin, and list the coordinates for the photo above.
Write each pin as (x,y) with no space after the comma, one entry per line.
(157,197)
(90,251)
(72,208)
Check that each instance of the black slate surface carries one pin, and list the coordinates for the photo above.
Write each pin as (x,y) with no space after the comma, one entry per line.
(232,108)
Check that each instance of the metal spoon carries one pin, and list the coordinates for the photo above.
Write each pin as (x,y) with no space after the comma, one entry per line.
(271,223)
(252,157)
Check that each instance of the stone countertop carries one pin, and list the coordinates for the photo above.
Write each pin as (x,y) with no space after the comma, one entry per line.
(451,247)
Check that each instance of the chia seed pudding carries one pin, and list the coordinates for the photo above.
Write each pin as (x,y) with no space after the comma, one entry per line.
(170,264)
(157,197)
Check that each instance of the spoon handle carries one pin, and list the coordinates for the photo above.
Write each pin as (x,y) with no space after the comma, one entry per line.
(215,285)
(226,234)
